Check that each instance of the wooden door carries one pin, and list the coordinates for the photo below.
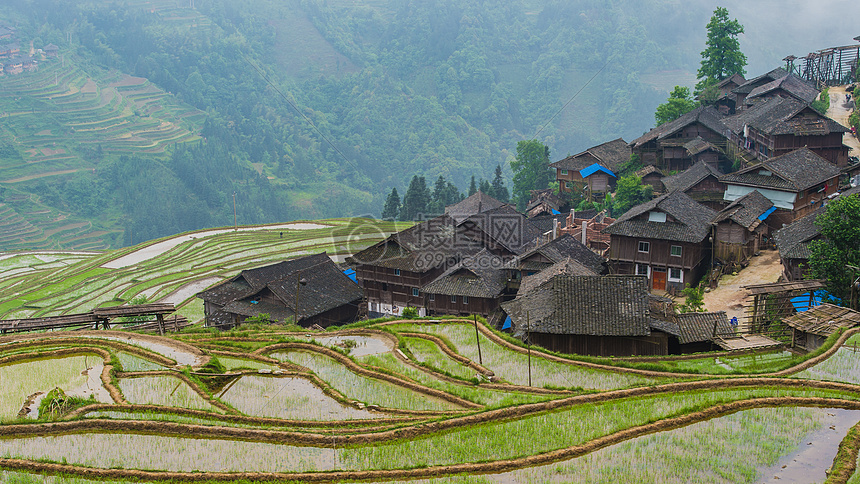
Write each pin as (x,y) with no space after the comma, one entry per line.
(658,279)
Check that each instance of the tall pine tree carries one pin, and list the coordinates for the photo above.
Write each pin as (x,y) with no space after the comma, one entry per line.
(392,205)
(417,199)
(498,190)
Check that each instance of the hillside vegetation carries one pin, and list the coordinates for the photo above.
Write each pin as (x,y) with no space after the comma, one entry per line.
(308,109)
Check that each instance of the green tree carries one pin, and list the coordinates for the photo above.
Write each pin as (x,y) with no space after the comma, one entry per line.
(498,190)
(484,186)
(392,205)
(417,199)
(629,192)
(839,246)
(722,56)
(444,193)
(680,102)
(531,170)
(473,188)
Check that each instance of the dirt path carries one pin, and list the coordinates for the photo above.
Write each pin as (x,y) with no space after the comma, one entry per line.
(729,297)
(839,111)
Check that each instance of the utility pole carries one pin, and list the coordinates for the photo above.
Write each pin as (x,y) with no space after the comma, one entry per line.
(478,339)
(299,282)
(529,346)
(855,288)
(235,224)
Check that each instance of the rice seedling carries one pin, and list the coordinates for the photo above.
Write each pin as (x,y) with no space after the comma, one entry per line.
(163,390)
(132,362)
(20,380)
(287,398)
(231,363)
(12,477)
(168,453)
(428,353)
(361,388)
(483,396)
(180,356)
(842,366)
(514,367)
(167,417)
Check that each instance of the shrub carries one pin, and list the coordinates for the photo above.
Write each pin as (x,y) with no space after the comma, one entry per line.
(409,312)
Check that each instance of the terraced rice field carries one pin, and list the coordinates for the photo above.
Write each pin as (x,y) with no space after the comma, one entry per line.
(403,403)
(173,269)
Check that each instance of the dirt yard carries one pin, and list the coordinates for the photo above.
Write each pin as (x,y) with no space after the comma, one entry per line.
(839,111)
(729,297)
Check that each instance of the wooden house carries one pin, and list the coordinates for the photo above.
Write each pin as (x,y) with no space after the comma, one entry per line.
(726,99)
(651,175)
(588,315)
(664,146)
(394,271)
(473,286)
(594,169)
(740,227)
(692,332)
(793,240)
(5,33)
(51,50)
(796,183)
(563,248)
(543,202)
(9,50)
(776,126)
(664,239)
(701,182)
(788,86)
(741,92)
(309,290)
(811,328)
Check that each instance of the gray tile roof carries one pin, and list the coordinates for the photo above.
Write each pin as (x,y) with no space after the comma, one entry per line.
(795,171)
(478,202)
(692,220)
(610,154)
(563,248)
(567,266)
(790,83)
(326,288)
(792,241)
(780,116)
(765,78)
(746,210)
(507,227)
(706,115)
(699,327)
(698,145)
(690,177)
(584,305)
(481,275)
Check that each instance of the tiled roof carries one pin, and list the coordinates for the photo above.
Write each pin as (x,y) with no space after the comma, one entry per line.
(792,241)
(746,210)
(326,287)
(610,154)
(567,266)
(699,327)
(735,79)
(780,116)
(698,145)
(795,171)
(225,292)
(507,227)
(707,116)
(692,220)
(584,305)
(563,248)
(476,203)
(481,275)
(765,78)
(670,327)
(642,173)
(690,177)
(790,83)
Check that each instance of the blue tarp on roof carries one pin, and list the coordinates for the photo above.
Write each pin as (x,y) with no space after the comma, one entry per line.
(801,303)
(590,170)
(555,212)
(766,214)
(507,324)
(350,273)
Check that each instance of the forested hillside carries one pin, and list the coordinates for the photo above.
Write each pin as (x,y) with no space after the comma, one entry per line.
(317,108)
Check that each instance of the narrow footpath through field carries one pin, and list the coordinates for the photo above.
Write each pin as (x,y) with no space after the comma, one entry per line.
(840,109)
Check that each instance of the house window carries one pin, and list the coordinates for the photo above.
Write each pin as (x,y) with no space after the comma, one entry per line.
(675,251)
(396,272)
(453,298)
(415,291)
(384,286)
(644,247)
(676,275)
(642,269)
(465,299)
(568,184)
(657,216)
(564,172)
(432,297)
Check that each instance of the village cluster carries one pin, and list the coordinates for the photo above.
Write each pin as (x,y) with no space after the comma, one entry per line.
(584,282)
(12,61)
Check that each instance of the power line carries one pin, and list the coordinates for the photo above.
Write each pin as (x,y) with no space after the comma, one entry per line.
(570,100)
(296,108)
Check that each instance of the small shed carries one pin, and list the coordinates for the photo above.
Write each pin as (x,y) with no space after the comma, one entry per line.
(740,227)
(811,328)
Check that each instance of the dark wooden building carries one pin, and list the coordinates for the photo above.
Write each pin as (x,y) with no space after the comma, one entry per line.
(573,172)
(796,183)
(474,286)
(793,240)
(740,227)
(776,126)
(651,175)
(588,315)
(664,239)
(701,182)
(811,328)
(309,290)
(741,92)
(788,86)
(693,332)
(664,146)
